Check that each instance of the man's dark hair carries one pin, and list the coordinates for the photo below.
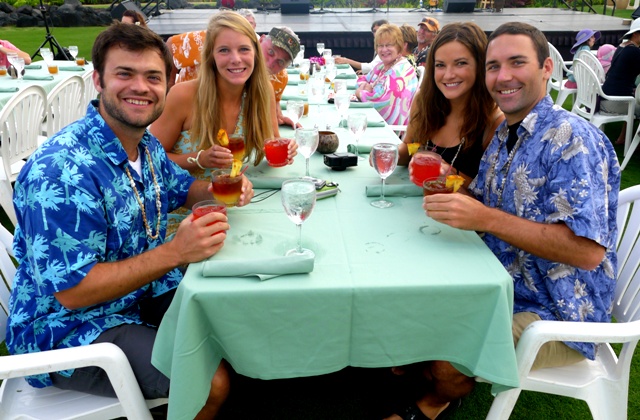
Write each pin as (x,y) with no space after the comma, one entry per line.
(131,38)
(379,23)
(540,43)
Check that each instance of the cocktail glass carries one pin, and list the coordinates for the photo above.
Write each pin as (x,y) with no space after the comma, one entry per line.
(307,139)
(304,69)
(226,188)
(276,151)
(298,200)
(236,146)
(424,165)
(384,157)
(357,124)
(202,208)
(437,185)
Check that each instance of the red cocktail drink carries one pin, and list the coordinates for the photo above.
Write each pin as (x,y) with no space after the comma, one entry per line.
(436,186)
(236,146)
(425,165)
(277,151)
(225,187)
(208,206)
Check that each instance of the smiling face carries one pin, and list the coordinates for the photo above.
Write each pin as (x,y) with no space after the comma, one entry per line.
(132,89)
(387,50)
(514,77)
(275,58)
(425,36)
(455,71)
(234,57)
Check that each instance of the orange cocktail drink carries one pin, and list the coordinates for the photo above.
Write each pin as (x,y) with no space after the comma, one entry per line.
(208,206)
(226,188)
(424,165)
(436,186)
(236,146)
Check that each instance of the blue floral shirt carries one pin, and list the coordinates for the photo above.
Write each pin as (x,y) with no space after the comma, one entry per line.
(76,208)
(563,170)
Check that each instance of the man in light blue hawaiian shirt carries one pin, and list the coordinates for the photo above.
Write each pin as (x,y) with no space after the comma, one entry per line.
(545,200)
(92,206)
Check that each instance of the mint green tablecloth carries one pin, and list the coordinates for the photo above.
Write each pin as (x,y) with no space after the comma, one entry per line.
(384,291)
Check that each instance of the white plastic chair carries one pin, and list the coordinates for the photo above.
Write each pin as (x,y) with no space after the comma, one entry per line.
(589,88)
(65,104)
(18,400)
(604,382)
(636,139)
(90,91)
(20,124)
(592,61)
(557,81)
(420,72)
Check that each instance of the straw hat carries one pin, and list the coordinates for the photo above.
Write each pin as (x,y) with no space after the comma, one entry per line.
(583,36)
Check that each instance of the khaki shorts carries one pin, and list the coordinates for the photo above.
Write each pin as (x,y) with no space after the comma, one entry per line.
(552,353)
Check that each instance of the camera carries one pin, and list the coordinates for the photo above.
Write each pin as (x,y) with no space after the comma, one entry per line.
(340,161)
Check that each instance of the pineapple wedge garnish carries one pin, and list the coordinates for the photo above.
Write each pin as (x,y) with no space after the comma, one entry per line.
(454,181)
(235,168)
(223,139)
(413,148)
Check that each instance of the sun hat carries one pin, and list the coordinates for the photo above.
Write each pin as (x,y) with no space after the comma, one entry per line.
(582,37)
(635,27)
(605,55)
(431,24)
(283,39)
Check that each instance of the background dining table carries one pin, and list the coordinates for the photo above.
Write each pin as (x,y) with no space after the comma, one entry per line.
(388,287)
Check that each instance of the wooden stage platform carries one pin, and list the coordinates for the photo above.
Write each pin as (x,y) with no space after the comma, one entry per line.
(348,31)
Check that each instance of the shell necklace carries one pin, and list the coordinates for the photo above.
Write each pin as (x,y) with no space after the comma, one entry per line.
(150,234)
(505,169)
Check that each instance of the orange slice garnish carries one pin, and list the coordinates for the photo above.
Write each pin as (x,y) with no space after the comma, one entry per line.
(235,168)
(455,182)
(223,139)
(413,148)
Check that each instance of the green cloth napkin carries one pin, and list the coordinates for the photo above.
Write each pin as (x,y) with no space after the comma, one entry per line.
(293,82)
(354,104)
(71,68)
(264,269)
(398,190)
(292,98)
(346,76)
(342,66)
(362,148)
(8,89)
(266,182)
(293,71)
(374,124)
(34,77)
(33,66)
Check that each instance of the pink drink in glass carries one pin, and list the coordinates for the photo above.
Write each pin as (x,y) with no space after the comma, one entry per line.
(425,165)
(208,206)
(276,151)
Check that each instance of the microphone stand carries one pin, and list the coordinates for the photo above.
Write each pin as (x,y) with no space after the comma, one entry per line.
(49,38)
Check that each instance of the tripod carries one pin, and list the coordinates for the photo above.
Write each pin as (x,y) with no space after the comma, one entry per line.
(420,8)
(50,39)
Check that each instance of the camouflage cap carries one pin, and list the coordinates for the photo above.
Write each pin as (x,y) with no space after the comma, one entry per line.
(286,41)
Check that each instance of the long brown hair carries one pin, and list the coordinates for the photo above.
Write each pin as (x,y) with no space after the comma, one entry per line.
(207,118)
(432,108)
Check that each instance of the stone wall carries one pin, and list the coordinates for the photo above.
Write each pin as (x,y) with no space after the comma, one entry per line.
(71,13)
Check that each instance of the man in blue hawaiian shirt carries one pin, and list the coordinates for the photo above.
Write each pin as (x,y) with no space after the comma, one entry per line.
(92,205)
(545,200)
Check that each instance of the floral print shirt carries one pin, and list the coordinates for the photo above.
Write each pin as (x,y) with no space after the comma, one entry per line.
(76,208)
(393,91)
(279,82)
(186,50)
(563,170)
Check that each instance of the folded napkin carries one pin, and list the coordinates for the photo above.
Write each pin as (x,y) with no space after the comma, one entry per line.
(362,148)
(71,68)
(265,268)
(397,190)
(293,98)
(34,77)
(33,66)
(346,76)
(376,124)
(354,104)
(293,71)
(293,82)
(266,182)
(8,89)
(342,66)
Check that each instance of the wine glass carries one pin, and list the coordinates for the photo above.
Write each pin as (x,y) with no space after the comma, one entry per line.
(320,48)
(331,75)
(307,139)
(317,89)
(18,63)
(295,109)
(326,53)
(357,124)
(385,159)
(11,57)
(298,200)
(73,50)
(342,102)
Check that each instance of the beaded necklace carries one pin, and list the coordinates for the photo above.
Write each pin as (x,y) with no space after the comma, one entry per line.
(505,169)
(150,234)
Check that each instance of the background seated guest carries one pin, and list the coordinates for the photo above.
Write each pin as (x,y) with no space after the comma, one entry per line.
(390,86)
(605,55)
(248,14)
(232,92)
(8,47)
(186,50)
(409,35)
(428,29)
(106,273)
(585,40)
(133,17)
(453,113)
(364,68)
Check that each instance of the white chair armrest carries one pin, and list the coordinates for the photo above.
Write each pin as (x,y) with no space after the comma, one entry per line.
(104,355)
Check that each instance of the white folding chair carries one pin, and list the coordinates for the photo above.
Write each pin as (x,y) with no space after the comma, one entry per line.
(65,104)
(604,382)
(90,91)
(20,124)
(589,88)
(557,81)
(592,61)
(18,400)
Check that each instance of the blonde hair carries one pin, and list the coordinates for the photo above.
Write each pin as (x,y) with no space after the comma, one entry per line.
(257,102)
(392,32)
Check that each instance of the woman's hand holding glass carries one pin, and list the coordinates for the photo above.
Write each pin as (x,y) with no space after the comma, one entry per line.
(215,157)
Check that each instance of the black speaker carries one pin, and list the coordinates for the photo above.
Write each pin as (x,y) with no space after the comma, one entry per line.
(294,7)
(459,6)
(636,14)
(118,11)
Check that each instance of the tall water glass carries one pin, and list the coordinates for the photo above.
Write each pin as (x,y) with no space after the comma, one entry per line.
(320,48)
(342,102)
(298,200)
(317,89)
(11,57)
(326,53)
(307,139)
(295,109)
(357,124)
(385,159)
(18,63)
(73,50)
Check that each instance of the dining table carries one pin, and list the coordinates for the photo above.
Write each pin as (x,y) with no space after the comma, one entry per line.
(37,73)
(386,287)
